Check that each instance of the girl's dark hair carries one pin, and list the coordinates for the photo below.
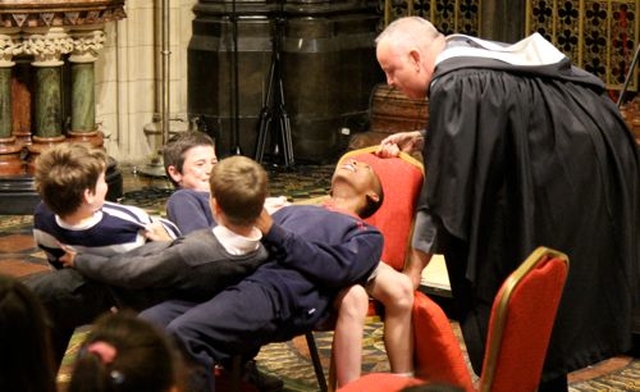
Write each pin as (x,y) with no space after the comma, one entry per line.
(143,359)
(25,341)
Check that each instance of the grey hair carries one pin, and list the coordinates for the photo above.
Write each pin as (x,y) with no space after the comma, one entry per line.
(408,29)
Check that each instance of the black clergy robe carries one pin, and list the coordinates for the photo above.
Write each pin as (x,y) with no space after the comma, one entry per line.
(518,157)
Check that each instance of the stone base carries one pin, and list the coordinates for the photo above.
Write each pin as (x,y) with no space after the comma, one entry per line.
(11,163)
(18,194)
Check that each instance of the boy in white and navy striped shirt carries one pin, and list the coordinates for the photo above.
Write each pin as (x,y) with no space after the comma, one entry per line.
(74,215)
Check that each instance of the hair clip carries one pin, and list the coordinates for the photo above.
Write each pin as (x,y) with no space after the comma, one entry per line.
(105,351)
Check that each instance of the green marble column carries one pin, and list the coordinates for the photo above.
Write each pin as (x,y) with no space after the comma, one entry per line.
(5,103)
(48,102)
(83,116)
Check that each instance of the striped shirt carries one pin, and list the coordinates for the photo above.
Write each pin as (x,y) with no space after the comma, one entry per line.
(114,228)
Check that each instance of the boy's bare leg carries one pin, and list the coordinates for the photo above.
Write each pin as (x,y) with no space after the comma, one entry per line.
(352,305)
(395,291)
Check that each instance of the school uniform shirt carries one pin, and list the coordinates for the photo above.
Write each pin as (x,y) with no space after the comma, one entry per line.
(113,229)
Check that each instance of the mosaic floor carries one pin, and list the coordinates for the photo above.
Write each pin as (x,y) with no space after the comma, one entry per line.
(290,360)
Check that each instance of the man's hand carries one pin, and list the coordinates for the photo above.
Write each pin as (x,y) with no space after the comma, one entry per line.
(402,141)
(264,222)
(69,257)
(156,232)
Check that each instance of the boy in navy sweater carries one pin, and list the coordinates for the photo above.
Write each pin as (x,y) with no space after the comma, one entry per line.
(188,159)
(316,251)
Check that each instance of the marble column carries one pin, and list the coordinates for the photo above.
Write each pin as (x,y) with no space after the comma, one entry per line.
(10,162)
(47,45)
(87,44)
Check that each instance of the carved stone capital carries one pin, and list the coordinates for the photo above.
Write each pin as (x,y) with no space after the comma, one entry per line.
(10,45)
(47,45)
(55,13)
(86,45)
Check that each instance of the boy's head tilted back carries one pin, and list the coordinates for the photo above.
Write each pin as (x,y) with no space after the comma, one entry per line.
(358,183)
(188,159)
(64,172)
(239,186)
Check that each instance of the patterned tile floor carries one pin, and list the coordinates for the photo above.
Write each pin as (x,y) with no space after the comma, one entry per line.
(290,360)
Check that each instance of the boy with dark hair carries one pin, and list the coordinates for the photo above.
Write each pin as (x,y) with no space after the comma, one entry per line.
(188,160)
(70,179)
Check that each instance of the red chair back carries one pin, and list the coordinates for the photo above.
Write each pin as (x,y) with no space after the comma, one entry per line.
(521,322)
(439,357)
(401,179)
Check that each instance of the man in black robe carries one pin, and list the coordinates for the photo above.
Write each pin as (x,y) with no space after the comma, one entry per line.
(522,150)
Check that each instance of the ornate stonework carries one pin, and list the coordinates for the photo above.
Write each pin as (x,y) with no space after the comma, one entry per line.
(47,47)
(55,13)
(10,46)
(86,45)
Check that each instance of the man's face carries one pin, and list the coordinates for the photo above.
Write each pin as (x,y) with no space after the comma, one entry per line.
(356,178)
(196,169)
(404,69)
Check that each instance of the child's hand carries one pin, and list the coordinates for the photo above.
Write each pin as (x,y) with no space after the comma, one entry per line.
(156,232)
(69,257)
(264,222)
(273,204)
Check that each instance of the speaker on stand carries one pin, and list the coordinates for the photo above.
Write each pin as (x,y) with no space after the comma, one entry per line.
(274,121)
(235,95)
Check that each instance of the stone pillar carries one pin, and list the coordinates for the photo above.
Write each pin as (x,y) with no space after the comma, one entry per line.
(87,44)
(47,45)
(10,162)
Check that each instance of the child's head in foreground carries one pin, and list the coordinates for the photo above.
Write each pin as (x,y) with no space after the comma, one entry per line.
(25,340)
(125,353)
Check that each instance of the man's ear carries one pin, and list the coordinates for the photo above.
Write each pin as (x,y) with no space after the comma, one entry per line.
(414,56)
(175,175)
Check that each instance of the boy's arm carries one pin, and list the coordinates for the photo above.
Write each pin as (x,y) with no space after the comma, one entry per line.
(153,265)
(171,230)
(188,212)
(336,265)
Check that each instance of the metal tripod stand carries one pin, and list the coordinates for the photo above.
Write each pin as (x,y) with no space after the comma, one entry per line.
(273,113)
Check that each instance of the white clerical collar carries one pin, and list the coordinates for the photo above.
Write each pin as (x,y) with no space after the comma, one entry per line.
(236,244)
(531,51)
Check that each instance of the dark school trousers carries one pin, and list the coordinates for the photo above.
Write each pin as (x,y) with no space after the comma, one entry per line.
(69,301)
(238,321)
